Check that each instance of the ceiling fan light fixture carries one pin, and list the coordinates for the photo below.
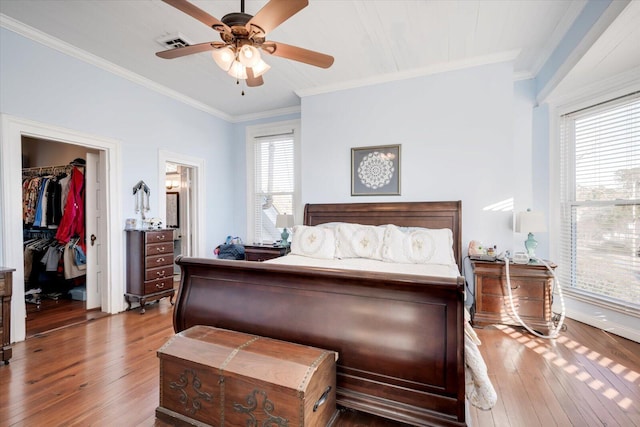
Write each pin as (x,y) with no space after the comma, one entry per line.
(224,57)
(238,71)
(249,55)
(260,68)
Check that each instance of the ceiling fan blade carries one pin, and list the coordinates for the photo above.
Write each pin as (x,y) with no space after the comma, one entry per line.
(275,13)
(298,54)
(253,81)
(188,50)
(199,14)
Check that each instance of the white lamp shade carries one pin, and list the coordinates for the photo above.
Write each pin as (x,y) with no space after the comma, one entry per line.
(224,57)
(530,222)
(238,71)
(249,56)
(284,221)
(260,68)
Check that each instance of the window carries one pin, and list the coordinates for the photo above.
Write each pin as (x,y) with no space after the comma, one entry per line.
(272,182)
(600,203)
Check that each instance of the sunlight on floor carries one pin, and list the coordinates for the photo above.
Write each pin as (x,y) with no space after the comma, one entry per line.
(546,349)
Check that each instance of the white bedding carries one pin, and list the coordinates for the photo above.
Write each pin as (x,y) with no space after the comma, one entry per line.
(479,390)
(366,264)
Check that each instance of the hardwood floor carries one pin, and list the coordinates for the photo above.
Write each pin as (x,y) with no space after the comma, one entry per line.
(104,372)
(585,377)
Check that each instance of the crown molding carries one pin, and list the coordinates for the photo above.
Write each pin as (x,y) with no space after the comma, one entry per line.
(70,50)
(508,56)
(267,114)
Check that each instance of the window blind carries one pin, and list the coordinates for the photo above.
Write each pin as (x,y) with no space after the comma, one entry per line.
(600,203)
(274,183)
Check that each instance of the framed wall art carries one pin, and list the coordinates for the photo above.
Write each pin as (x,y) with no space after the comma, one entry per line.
(375,171)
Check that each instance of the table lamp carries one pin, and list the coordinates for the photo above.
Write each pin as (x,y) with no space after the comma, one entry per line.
(284,221)
(530,222)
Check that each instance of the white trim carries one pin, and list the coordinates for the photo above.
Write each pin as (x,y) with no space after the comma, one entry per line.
(508,56)
(12,129)
(267,129)
(602,318)
(198,187)
(593,314)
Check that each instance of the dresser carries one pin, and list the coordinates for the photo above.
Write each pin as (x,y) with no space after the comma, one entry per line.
(531,287)
(149,266)
(6,287)
(264,252)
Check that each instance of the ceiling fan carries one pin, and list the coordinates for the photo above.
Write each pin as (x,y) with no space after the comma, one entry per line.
(243,37)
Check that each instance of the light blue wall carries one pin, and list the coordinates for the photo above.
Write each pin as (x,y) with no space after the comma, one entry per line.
(41,84)
(457,135)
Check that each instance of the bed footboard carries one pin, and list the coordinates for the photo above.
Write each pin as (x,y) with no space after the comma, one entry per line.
(397,336)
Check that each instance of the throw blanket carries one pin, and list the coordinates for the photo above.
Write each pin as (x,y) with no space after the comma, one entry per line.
(479,389)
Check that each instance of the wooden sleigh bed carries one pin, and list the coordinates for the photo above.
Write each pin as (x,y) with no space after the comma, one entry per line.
(400,338)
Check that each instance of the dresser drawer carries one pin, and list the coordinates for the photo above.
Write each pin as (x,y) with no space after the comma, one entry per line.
(3,287)
(158,261)
(158,285)
(158,273)
(519,287)
(159,248)
(159,236)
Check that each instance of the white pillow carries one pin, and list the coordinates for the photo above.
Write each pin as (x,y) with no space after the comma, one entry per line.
(359,241)
(418,246)
(314,242)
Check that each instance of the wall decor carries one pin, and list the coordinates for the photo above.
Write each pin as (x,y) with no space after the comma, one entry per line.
(173,210)
(375,171)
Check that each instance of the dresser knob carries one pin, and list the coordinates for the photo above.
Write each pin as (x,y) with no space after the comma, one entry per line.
(160,273)
(159,285)
(159,260)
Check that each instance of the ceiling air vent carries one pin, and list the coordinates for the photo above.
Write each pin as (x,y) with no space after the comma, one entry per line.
(173,41)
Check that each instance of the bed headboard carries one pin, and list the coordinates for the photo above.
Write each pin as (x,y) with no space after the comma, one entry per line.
(402,214)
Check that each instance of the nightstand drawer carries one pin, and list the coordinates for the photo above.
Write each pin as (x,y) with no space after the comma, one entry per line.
(519,287)
(502,306)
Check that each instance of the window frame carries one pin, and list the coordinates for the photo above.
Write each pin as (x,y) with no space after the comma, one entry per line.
(565,196)
(256,131)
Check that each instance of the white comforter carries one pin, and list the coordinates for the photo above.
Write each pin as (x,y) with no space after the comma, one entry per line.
(479,390)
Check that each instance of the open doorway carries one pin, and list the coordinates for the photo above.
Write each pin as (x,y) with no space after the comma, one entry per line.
(179,209)
(62,216)
(183,204)
(108,241)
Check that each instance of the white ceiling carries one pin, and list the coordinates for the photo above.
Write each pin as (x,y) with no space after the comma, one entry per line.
(372,41)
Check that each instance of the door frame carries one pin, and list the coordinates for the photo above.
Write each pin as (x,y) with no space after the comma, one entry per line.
(12,129)
(198,190)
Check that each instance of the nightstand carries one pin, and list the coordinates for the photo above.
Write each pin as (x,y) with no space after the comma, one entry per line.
(264,252)
(531,287)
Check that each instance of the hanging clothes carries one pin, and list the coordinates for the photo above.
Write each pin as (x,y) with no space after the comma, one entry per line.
(72,223)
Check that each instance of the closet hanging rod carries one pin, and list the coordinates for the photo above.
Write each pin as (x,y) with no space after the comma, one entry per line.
(50,169)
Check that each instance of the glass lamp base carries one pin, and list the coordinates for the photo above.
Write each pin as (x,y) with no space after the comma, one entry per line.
(531,244)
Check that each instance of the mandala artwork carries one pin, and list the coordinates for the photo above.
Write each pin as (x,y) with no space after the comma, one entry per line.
(375,170)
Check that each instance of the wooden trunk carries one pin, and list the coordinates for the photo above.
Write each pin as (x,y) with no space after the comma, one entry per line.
(218,377)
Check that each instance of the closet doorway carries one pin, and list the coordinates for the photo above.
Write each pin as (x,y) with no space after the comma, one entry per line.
(63,281)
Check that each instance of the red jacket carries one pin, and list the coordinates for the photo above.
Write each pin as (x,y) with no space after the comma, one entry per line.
(72,222)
